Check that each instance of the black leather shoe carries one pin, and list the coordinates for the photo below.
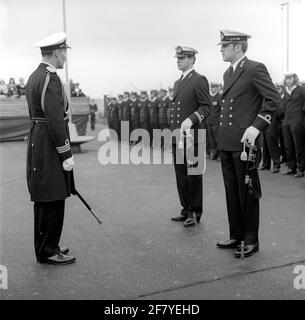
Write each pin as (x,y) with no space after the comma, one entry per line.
(64,250)
(192,219)
(289,172)
(59,259)
(228,244)
(179,218)
(276,170)
(189,222)
(249,250)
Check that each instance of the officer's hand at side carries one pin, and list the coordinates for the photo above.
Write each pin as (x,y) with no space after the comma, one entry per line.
(68,164)
(186,125)
(250,135)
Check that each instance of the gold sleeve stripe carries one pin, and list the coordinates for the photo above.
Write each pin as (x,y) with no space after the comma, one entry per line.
(200,118)
(267,118)
(64,148)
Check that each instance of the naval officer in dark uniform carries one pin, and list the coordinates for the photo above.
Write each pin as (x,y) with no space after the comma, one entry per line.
(249,102)
(49,158)
(189,106)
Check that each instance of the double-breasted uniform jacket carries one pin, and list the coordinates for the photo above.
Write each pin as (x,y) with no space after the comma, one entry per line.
(49,141)
(154,112)
(249,98)
(191,99)
(164,104)
(144,112)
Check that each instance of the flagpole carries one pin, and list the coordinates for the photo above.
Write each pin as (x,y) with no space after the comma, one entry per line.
(66,66)
(286,4)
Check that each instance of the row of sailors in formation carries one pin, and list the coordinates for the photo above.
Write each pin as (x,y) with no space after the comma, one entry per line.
(140,111)
(144,110)
(154,112)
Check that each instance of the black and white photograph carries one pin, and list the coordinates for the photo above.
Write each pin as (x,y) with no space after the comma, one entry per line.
(152,153)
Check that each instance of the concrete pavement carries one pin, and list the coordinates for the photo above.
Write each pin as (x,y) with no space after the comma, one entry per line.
(138,253)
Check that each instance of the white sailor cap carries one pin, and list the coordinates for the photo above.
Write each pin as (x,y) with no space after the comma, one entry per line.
(227,36)
(184,51)
(289,74)
(52,42)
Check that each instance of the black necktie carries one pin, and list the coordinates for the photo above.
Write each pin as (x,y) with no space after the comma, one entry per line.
(180,80)
(230,72)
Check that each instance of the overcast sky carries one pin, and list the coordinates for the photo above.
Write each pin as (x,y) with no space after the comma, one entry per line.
(129,44)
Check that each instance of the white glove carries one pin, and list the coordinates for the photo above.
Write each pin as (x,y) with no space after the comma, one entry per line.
(68,164)
(250,135)
(186,125)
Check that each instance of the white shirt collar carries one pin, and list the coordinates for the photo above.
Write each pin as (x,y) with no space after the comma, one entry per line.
(234,65)
(49,64)
(289,91)
(185,73)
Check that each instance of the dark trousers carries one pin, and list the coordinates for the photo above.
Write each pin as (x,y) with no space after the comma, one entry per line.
(116,127)
(135,124)
(294,136)
(271,150)
(92,120)
(282,146)
(164,143)
(213,139)
(153,142)
(48,223)
(207,135)
(243,208)
(189,186)
(146,125)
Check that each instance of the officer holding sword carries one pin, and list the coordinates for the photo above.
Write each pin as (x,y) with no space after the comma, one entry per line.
(49,159)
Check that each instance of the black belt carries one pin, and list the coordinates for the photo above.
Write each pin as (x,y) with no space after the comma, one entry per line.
(36,119)
(44,120)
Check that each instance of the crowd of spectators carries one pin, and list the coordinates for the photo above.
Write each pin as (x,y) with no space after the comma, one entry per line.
(75,90)
(12,89)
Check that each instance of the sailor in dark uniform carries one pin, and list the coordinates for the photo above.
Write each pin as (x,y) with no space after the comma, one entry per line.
(190,105)
(134,113)
(49,158)
(114,115)
(154,115)
(249,101)
(163,105)
(126,114)
(120,113)
(293,126)
(170,98)
(213,119)
(144,115)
